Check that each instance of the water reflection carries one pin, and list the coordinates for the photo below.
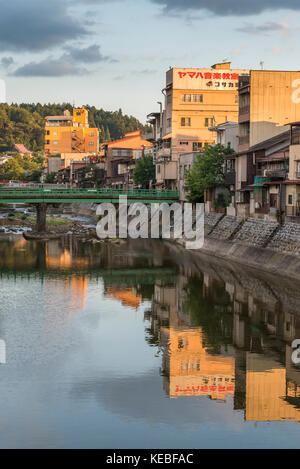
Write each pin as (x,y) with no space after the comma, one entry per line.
(222,338)
(220,334)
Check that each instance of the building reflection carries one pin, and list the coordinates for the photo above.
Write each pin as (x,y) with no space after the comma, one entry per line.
(223,336)
(126,295)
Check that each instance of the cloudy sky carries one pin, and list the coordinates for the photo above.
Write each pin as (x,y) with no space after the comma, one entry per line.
(114,53)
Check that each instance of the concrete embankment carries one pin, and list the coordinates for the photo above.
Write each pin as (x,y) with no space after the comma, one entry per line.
(255,243)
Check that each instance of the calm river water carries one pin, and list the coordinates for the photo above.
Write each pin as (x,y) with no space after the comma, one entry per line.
(143,346)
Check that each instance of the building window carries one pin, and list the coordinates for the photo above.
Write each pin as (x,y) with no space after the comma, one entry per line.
(169,99)
(55,142)
(47,132)
(158,169)
(197,146)
(169,121)
(55,133)
(91,143)
(184,143)
(290,199)
(185,122)
(192,98)
(209,122)
(47,142)
(91,135)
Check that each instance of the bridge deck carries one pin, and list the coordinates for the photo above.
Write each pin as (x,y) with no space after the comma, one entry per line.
(85,195)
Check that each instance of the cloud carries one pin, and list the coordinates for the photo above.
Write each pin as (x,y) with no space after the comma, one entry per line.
(144,72)
(6,61)
(34,25)
(228,7)
(91,54)
(49,68)
(265,28)
(66,64)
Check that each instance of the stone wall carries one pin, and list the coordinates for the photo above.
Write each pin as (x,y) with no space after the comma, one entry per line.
(211,220)
(287,239)
(226,228)
(256,232)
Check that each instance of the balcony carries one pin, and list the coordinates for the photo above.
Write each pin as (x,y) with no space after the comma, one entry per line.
(275,173)
(163,153)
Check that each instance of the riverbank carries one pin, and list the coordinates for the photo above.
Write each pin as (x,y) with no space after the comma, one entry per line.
(255,243)
(21,221)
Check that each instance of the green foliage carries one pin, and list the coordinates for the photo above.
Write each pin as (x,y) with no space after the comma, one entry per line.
(25,123)
(144,172)
(222,201)
(50,178)
(207,172)
(22,168)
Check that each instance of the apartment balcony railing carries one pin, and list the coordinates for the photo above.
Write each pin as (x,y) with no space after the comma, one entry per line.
(163,153)
(275,173)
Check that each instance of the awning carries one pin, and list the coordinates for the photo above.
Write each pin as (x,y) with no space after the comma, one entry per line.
(166,137)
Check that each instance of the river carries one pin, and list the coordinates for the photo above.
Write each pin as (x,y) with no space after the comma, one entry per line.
(143,345)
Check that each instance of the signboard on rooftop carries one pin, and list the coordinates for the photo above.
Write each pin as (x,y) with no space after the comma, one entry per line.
(206,79)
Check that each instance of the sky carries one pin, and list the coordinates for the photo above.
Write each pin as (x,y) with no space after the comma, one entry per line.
(114,53)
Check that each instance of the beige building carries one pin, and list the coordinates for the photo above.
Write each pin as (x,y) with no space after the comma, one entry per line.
(196,99)
(267,102)
(293,183)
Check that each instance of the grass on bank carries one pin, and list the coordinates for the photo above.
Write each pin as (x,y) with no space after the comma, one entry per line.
(29,219)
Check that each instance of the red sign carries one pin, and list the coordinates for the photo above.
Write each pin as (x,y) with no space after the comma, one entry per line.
(210,75)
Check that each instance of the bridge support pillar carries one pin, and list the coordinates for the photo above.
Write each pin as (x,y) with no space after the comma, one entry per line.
(41,216)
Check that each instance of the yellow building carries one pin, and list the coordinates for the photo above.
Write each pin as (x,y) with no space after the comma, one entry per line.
(192,371)
(266,391)
(195,100)
(70,137)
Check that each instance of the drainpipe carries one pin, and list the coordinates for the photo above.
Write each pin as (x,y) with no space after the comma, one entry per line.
(160,121)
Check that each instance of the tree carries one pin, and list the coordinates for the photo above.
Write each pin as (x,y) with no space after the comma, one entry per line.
(21,168)
(144,172)
(25,123)
(207,172)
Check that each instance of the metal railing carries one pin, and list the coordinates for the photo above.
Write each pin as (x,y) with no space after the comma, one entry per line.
(77,193)
(292,211)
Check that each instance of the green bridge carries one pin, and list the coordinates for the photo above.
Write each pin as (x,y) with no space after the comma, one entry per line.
(42,197)
(72,196)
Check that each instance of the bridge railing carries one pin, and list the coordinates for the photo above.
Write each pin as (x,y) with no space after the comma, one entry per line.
(148,193)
